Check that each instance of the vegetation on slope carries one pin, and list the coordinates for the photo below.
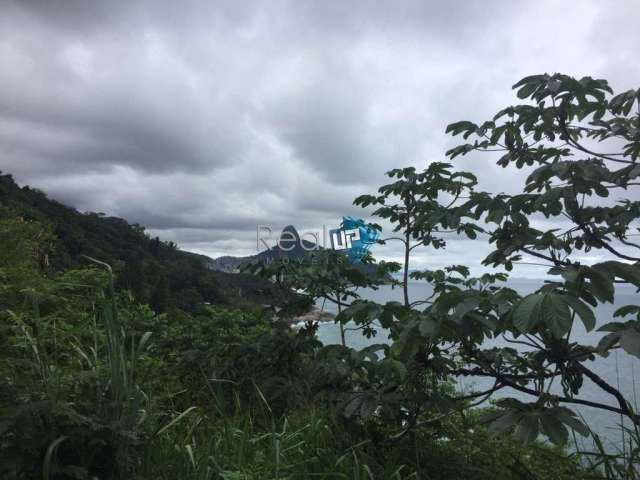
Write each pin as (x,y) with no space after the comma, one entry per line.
(94,384)
(154,271)
(106,374)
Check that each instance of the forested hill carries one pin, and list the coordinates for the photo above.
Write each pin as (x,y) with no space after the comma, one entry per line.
(156,272)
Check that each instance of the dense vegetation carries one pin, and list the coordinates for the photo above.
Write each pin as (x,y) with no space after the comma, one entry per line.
(155,272)
(557,136)
(108,371)
(96,385)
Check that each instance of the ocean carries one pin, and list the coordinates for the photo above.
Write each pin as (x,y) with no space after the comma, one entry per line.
(619,369)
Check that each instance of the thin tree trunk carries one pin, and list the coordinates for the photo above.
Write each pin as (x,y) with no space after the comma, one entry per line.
(342,337)
(405,280)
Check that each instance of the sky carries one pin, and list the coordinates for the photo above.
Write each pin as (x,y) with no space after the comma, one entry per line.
(203,119)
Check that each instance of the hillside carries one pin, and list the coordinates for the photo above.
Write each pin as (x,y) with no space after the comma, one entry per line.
(156,272)
(290,247)
(289,238)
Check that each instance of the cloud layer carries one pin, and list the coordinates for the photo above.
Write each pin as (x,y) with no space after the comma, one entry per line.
(202,119)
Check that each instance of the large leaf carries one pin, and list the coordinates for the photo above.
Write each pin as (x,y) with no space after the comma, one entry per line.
(527,429)
(630,341)
(601,282)
(625,271)
(627,310)
(627,334)
(503,420)
(583,311)
(569,418)
(527,313)
(556,314)
(554,429)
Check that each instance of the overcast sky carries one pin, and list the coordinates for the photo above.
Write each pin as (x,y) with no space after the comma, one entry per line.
(203,119)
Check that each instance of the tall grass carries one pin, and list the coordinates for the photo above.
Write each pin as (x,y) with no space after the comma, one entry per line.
(243,438)
(614,461)
(238,447)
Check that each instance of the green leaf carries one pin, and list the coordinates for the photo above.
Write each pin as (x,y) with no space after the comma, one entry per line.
(176,420)
(527,429)
(504,421)
(625,271)
(630,341)
(601,284)
(612,327)
(428,327)
(569,418)
(627,310)
(527,313)
(583,311)
(556,314)
(527,90)
(459,127)
(46,464)
(353,405)
(464,307)
(606,342)
(554,429)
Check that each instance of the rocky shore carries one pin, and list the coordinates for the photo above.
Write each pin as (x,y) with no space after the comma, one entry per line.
(314,315)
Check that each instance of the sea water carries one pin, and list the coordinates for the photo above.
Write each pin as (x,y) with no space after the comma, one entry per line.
(618,369)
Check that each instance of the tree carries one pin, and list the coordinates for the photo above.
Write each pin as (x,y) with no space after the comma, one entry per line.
(326,275)
(584,143)
(132,278)
(159,300)
(413,205)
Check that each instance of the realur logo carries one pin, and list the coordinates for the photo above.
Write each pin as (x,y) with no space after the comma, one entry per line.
(343,239)
(354,238)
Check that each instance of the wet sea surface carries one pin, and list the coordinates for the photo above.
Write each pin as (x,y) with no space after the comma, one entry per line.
(619,369)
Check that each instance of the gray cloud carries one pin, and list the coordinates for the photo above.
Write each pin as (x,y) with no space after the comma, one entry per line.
(202,119)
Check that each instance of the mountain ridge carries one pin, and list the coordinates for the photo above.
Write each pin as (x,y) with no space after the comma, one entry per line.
(155,271)
(289,237)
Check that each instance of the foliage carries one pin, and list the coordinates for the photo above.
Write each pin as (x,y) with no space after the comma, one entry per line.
(94,384)
(415,207)
(325,275)
(153,270)
(313,443)
(560,133)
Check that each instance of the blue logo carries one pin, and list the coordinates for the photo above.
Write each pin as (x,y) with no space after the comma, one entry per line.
(354,237)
